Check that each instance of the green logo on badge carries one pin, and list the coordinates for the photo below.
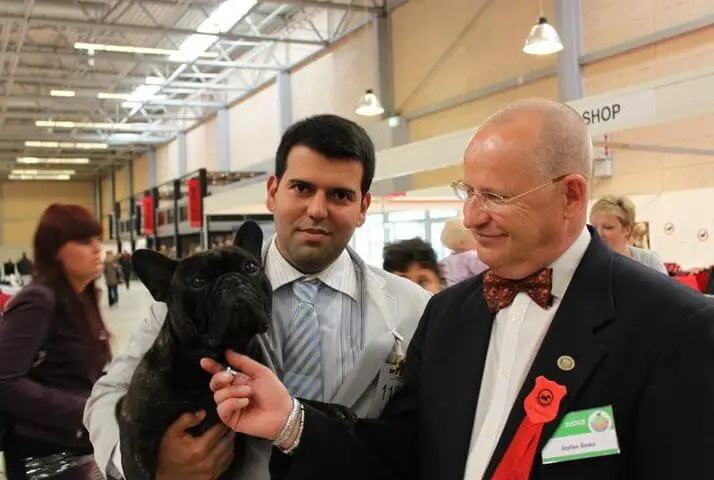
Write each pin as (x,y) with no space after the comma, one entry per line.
(599,421)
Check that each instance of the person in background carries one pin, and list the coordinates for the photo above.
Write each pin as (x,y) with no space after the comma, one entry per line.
(9,270)
(614,219)
(414,259)
(53,343)
(126,268)
(640,236)
(24,269)
(463,261)
(111,278)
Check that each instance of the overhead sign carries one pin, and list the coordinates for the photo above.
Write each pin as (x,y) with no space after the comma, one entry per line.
(613,113)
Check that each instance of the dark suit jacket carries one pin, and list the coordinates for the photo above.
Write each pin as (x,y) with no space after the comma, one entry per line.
(46,369)
(641,342)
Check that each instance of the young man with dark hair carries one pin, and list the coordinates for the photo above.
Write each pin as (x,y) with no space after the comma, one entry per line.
(414,259)
(336,320)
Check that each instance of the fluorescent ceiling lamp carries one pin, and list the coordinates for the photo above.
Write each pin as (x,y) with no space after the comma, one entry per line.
(112,96)
(53,160)
(221,20)
(72,145)
(92,125)
(41,172)
(62,93)
(142,93)
(102,47)
(543,39)
(38,177)
(369,105)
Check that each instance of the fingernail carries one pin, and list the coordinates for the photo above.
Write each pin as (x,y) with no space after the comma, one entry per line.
(200,413)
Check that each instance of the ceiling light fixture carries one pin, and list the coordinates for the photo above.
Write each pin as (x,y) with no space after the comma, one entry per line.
(38,177)
(130,127)
(102,47)
(112,96)
(41,172)
(369,105)
(543,39)
(53,160)
(62,93)
(68,145)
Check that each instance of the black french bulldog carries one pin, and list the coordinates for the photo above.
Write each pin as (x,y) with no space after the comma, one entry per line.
(217,300)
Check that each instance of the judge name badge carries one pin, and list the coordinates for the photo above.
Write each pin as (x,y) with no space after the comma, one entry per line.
(583,434)
(390,379)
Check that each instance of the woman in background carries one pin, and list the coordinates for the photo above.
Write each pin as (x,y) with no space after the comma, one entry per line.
(463,261)
(111,278)
(53,344)
(415,260)
(614,219)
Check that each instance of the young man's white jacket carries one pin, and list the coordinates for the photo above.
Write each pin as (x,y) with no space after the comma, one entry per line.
(393,304)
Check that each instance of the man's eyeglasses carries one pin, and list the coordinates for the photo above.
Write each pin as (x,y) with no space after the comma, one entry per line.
(491,201)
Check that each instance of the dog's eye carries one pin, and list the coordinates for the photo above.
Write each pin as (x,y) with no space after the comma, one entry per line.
(251,268)
(197,282)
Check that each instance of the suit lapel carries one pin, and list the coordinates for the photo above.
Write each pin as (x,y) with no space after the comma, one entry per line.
(583,309)
(462,361)
(377,308)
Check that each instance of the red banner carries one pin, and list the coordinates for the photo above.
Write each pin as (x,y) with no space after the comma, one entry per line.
(195,219)
(148,211)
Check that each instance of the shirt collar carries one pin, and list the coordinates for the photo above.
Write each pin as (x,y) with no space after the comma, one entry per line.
(564,267)
(340,275)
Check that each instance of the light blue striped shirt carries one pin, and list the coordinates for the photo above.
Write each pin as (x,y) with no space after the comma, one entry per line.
(338,313)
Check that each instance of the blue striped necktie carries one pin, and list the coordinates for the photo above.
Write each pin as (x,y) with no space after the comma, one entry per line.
(302,358)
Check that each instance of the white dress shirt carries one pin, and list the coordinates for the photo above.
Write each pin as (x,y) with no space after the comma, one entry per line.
(338,313)
(516,337)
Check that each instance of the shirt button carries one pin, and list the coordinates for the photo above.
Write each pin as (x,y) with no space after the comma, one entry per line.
(516,318)
(490,433)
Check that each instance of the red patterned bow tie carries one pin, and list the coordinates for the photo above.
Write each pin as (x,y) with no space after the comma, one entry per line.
(500,292)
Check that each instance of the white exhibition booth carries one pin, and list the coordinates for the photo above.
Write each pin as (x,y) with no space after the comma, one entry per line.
(680,96)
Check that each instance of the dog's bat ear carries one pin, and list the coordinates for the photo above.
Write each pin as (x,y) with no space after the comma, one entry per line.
(155,271)
(250,238)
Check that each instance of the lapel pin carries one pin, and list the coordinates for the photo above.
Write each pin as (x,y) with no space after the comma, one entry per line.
(566,363)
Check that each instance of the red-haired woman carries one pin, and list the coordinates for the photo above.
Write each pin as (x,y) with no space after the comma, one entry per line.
(53,344)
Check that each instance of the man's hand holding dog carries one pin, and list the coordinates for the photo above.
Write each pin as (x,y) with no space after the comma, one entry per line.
(253,402)
(201,458)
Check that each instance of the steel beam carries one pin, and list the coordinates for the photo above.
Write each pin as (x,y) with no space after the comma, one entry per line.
(119,57)
(151,30)
(649,39)
(80,115)
(182,154)
(98,198)
(637,147)
(285,100)
(328,5)
(41,101)
(113,141)
(224,136)
(570,78)
(384,59)
(153,173)
(102,8)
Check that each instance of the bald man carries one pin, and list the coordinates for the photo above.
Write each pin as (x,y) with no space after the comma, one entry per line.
(563,361)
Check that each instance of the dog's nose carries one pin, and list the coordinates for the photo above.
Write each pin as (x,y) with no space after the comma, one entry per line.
(230,282)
